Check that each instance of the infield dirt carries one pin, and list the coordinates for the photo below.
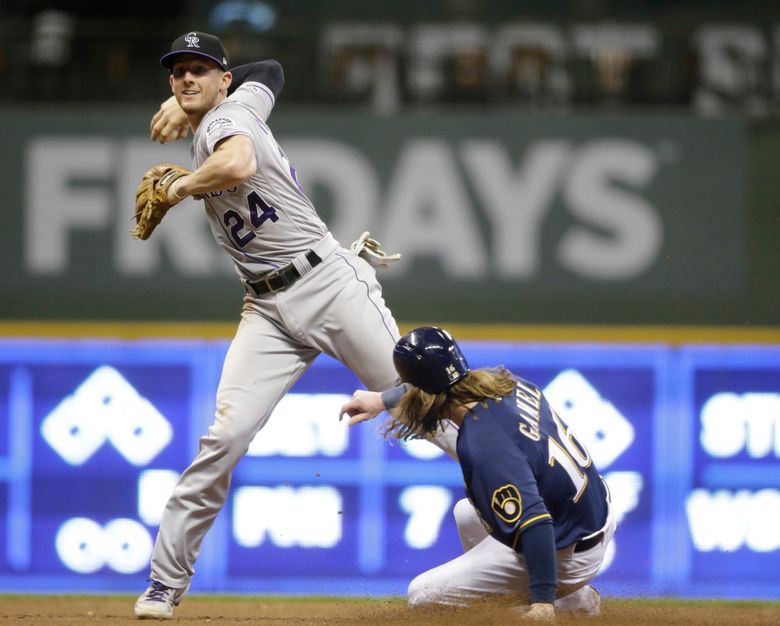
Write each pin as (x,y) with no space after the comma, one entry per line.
(78,610)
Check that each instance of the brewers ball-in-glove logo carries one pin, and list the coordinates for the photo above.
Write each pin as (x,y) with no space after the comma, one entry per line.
(507,503)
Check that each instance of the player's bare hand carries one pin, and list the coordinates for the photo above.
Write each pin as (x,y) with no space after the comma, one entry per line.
(363,406)
(537,612)
(169,123)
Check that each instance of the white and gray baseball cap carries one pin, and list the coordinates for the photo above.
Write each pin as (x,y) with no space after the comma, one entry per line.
(198,43)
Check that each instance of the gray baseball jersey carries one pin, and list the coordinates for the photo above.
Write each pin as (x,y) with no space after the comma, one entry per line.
(336,307)
(266,221)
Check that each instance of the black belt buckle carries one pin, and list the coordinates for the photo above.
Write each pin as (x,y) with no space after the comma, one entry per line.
(273,283)
(280,279)
(590,542)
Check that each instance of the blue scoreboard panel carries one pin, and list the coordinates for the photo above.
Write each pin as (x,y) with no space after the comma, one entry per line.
(94,434)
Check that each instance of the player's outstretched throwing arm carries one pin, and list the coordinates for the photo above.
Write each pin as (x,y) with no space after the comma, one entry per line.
(170,122)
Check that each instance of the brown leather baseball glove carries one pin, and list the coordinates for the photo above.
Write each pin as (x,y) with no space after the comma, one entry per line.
(151,198)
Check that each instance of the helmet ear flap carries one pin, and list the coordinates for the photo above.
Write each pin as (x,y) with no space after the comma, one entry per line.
(429,358)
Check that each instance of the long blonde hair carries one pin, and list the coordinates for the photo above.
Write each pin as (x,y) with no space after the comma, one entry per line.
(419,413)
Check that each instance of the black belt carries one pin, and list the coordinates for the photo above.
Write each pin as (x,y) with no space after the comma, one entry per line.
(282,278)
(590,542)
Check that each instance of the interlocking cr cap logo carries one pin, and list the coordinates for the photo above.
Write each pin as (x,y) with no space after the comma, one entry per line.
(192,40)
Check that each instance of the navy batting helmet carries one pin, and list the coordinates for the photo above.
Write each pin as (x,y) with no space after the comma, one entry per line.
(429,358)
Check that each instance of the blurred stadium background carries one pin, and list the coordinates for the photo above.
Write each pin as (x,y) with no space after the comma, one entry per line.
(584,190)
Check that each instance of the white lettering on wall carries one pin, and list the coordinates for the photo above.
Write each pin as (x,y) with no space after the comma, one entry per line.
(469,207)
(301,426)
(284,516)
(732,423)
(628,232)
(56,207)
(733,60)
(349,177)
(517,201)
(727,521)
(426,507)
(428,211)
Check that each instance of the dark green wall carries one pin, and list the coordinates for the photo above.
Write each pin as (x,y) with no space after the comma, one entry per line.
(428,186)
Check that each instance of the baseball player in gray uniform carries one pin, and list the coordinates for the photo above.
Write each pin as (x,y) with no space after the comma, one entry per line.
(305,294)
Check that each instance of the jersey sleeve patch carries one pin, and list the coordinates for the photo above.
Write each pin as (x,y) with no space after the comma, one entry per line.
(507,503)
(220,122)
(219,128)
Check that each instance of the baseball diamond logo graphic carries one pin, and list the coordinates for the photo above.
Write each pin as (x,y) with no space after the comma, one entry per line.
(192,40)
(604,431)
(106,407)
(507,503)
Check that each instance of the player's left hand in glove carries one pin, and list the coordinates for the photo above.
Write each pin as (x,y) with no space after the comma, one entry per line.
(371,250)
(152,198)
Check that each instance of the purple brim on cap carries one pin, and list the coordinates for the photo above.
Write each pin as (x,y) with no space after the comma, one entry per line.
(167,59)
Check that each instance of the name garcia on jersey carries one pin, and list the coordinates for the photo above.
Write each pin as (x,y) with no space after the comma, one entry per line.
(527,400)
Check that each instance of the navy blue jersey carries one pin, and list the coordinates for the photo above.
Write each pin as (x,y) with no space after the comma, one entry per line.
(522,467)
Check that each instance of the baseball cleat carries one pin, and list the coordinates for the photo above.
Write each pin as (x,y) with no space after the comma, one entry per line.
(592,606)
(585,602)
(157,601)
